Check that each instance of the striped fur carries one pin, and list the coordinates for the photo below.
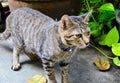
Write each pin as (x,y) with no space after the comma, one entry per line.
(36,33)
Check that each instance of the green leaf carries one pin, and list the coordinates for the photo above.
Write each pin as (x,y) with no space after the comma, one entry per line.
(112,37)
(107,12)
(107,7)
(116,49)
(102,40)
(116,61)
(106,16)
(95,29)
(95,1)
(109,23)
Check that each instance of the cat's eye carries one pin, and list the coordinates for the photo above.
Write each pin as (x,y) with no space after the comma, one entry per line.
(88,33)
(69,36)
(79,35)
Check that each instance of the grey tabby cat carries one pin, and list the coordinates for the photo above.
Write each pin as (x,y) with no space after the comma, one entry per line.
(36,33)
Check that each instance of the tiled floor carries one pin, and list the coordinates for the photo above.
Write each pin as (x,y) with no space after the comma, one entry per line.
(82,69)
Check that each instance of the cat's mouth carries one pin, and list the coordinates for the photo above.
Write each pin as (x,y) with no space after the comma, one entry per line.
(83,45)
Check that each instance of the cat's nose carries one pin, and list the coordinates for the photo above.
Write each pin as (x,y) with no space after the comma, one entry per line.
(87,43)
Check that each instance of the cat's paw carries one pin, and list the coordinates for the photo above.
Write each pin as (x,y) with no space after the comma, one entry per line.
(16,67)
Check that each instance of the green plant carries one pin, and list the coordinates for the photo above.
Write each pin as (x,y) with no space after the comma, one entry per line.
(111,40)
(103,14)
(102,28)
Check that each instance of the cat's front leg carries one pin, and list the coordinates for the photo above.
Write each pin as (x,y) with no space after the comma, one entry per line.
(15,62)
(48,66)
(64,71)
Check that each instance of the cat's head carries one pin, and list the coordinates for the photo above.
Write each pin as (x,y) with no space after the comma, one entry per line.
(74,30)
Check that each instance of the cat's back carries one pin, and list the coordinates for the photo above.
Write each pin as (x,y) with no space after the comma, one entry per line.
(26,13)
(29,11)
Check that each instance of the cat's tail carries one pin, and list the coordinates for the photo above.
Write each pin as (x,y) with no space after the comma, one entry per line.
(6,34)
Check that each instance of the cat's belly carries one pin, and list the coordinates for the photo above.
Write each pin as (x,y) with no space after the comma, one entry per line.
(29,50)
(31,54)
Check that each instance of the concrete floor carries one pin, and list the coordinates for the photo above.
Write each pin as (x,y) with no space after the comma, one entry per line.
(82,69)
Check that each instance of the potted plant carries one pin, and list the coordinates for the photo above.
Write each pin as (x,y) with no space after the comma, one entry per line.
(53,8)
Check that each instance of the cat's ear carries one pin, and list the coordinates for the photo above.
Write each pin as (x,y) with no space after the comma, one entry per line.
(86,16)
(66,22)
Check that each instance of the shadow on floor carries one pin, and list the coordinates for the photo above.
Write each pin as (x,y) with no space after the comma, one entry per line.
(82,69)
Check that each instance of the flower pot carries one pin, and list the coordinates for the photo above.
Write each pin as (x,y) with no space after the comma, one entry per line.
(52,8)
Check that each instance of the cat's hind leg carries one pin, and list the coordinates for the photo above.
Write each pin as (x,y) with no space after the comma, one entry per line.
(48,66)
(15,62)
(33,57)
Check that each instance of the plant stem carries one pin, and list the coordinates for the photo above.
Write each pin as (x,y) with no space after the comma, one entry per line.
(87,5)
(101,52)
(115,2)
